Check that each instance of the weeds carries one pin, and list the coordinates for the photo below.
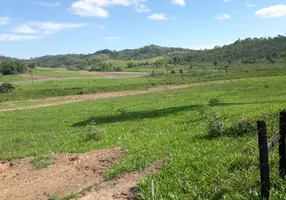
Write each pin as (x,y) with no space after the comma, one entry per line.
(42,161)
(92,132)
(72,195)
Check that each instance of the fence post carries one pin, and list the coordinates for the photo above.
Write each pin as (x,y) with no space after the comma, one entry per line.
(264,161)
(282,146)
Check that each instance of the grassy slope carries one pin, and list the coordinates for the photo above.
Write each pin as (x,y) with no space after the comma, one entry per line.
(169,124)
(85,86)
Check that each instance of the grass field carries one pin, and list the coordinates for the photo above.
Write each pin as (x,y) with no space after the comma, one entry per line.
(82,84)
(169,124)
(59,73)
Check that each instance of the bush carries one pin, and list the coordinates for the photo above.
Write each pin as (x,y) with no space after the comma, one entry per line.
(118,69)
(12,67)
(173,72)
(6,88)
(214,101)
(215,126)
(92,132)
(242,128)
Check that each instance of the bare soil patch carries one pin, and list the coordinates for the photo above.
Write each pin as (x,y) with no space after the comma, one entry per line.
(121,187)
(69,173)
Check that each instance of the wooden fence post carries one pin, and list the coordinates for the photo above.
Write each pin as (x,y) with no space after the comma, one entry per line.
(264,161)
(282,146)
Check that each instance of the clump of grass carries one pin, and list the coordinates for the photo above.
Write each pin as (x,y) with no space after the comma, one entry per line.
(42,161)
(72,195)
(215,126)
(214,101)
(92,132)
(242,128)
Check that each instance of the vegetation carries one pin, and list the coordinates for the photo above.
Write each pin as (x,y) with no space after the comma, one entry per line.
(6,88)
(84,84)
(247,51)
(207,132)
(9,67)
(170,124)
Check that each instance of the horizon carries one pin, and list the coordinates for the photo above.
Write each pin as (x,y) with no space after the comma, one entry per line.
(60,27)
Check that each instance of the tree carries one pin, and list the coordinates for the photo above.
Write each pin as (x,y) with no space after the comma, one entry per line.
(130,65)
(215,63)
(181,72)
(12,67)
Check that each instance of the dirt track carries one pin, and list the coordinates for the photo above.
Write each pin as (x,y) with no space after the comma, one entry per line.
(86,97)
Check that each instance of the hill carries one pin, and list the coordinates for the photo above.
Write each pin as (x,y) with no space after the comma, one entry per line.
(249,50)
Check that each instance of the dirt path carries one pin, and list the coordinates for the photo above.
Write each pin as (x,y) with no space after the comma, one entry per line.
(70,173)
(86,97)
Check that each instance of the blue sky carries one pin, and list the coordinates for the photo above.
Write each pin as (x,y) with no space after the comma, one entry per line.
(30,28)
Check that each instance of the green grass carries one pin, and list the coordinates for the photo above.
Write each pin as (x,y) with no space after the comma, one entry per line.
(55,88)
(169,124)
(42,161)
(72,195)
(11,78)
(59,73)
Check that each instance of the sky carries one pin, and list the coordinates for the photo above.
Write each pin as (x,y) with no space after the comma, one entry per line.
(32,28)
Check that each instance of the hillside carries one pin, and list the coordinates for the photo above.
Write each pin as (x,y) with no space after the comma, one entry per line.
(250,50)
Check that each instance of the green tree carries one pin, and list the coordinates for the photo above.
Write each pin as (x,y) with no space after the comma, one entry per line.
(12,67)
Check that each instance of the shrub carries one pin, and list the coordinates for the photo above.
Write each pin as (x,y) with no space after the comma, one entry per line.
(173,72)
(92,132)
(6,88)
(118,69)
(214,101)
(242,128)
(215,125)
(12,67)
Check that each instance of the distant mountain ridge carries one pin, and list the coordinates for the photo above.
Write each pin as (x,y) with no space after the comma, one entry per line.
(247,50)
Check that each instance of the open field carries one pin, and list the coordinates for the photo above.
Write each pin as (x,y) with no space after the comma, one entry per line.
(168,124)
(97,82)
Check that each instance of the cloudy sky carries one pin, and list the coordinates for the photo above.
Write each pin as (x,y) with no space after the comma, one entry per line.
(30,28)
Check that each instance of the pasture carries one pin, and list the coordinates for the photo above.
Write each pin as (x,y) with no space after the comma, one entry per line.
(172,125)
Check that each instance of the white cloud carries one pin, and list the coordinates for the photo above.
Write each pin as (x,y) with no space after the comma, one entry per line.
(13,37)
(100,27)
(158,16)
(96,8)
(113,38)
(51,26)
(272,11)
(45,28)
(250,5)
(142,8)
(49,4)
(25,29)
(224,16)
(87,9)
(48,32)
(226,1)
(179,2)
(4,20)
